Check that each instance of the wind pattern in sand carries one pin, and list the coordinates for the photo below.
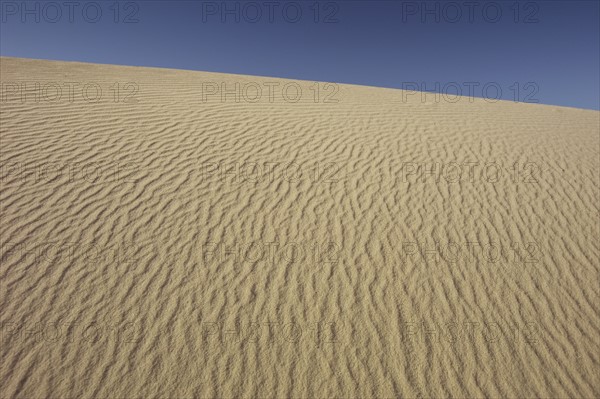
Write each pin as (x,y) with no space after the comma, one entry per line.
(171,244)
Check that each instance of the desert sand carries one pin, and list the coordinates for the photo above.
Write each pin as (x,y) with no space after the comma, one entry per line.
(291,239)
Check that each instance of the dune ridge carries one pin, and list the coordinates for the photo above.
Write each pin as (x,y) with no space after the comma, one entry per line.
(162,241)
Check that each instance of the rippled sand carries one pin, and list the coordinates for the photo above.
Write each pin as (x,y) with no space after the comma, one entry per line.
(315,240)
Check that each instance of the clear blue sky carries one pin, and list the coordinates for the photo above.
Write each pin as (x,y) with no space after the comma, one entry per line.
(551,45)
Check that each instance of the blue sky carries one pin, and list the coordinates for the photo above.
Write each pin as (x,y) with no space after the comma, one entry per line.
(532,51)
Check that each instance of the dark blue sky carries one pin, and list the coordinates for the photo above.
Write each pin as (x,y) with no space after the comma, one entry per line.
(549,48)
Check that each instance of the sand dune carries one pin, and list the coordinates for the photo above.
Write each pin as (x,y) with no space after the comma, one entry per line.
(167,237)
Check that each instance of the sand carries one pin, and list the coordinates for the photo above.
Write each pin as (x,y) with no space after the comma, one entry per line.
(315,240)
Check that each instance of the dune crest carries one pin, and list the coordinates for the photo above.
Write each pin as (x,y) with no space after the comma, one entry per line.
(180,234)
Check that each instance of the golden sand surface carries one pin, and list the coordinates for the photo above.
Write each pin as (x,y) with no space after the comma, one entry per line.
(165,236)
